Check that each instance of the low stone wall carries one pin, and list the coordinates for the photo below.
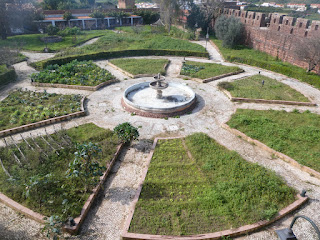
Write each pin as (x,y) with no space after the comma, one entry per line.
(272,151)
(78,87)
(252,100)
(85,209)
(216,235)
(49,121)
(212,78)
(138,75)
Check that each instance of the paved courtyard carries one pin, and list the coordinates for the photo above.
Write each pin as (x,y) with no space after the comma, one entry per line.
(106,219)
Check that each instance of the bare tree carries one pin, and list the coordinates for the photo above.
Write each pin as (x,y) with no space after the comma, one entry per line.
(211,10)
(309,51)
(169,10)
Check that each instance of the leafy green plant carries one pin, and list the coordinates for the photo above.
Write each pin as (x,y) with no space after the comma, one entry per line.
(85,166)
(52,30)
(97,14)
(126,132)
(68,16)
(84,73)
(53,227)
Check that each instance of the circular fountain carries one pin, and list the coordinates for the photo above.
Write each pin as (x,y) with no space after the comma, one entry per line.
(158,98)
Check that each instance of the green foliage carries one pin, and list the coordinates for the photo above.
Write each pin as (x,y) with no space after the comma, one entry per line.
(196,16)
(7,75)
(272,89)
(294,134)
(53,227)
(32,42)
(68,15)
(126,132)
(42,174)
(205,70)
(52,30)
(118,14)
(229,30)
(147,37)
(116,54)
(70,32)
(84,73)
(97,14)
(141,66)
(23,107)
(256,58)
(84,166)
(214,191)
(148,16)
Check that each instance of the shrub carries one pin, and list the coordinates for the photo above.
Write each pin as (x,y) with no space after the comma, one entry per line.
(97,14)
(148,16)
(126,132)
(229,30)
(68,15)
(52,30)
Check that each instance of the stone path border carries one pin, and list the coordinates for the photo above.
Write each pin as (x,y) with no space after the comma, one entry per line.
(211,78)
(137,75)
(84,211)
(78,87)
(216,235)
(255,100)
(49,121)
(272,151)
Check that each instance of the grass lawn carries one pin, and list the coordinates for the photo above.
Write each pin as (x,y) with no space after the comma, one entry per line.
(32,42)
(43,172)
(141,66)
(84,73)
(246,55)
(294,134)
(146,39)
(23,107)
(272,89)
(205,70)
(218,190)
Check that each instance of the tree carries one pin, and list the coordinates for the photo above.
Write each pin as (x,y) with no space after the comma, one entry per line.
(308,50)
(229,30)
(196,17)
(169,10)
(211,11)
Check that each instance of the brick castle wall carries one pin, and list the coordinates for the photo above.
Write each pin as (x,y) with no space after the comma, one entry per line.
(277,35)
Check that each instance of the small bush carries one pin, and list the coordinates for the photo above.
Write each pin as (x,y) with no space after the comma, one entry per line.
(126,132)
(51,30)
(97,14)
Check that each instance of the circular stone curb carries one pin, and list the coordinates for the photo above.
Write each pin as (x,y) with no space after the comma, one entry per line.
(206,236)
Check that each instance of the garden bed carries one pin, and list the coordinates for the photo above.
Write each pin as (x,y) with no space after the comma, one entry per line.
(294,134)
(206,72)
(41,181)
(195,186)
(261,89)
(83,73)
(24,110)
(136,68)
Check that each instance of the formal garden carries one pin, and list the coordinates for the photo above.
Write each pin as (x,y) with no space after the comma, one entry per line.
(207,180)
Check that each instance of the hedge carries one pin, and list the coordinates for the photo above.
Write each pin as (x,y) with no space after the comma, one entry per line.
(116,54)
(8,76)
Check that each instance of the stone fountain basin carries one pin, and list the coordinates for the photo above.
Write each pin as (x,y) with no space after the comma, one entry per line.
(141,97)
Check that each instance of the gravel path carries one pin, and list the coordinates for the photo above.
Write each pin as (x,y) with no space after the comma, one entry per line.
(89,42)
(105,220)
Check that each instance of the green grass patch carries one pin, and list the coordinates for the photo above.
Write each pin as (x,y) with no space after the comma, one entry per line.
(294,134)
(3,69)
(32,42)
(218,190)
(84,73)
(130,40)
(141,66)
(53,187)
(246,55)
(272,89)
(205,70)
(23,107)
